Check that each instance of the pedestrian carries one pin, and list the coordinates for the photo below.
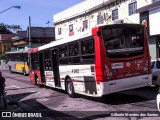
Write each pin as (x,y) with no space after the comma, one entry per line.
(2,83)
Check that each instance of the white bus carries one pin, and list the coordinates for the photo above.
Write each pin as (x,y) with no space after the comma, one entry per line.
(112,58)
(17,61)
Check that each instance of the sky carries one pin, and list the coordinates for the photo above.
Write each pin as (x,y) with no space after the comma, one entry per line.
(40,11)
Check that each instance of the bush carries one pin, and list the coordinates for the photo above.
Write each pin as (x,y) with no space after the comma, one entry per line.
(2,56)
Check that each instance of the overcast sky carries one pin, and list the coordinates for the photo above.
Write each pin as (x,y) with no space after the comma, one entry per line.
(40,11)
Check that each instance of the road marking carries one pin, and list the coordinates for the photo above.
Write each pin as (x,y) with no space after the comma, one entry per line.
(31,91)
(12,86)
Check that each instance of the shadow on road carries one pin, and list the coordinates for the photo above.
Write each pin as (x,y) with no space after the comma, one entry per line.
(126,97)
(33,106)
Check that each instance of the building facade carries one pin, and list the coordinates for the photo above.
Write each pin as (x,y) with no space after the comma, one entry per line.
(5,43)
(39,37)
(5,39)
(151,15)
(81,18)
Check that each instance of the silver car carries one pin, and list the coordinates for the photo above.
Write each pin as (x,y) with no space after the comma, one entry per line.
(158,100)
(155,68)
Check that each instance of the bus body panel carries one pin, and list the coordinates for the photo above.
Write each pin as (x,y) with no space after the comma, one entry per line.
(18,67)
(124,84)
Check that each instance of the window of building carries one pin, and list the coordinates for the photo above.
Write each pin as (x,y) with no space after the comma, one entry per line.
(59,31)
(71,31)
(115,14)
(85,24)
(71,28)
(100,18)
(132,8)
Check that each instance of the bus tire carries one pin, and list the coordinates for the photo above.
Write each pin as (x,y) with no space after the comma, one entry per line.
(37,81)
(70,88)
(24,72)
(10,69)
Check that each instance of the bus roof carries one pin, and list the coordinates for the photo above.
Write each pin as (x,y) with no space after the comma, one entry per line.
(66,40)
(76,37)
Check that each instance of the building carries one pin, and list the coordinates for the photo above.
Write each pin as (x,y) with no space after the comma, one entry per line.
(5,39)
(151,15)
(75,20)
(39,36)
(5,42)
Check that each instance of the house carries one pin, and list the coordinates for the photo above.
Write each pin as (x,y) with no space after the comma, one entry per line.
(5,39)
(39,36)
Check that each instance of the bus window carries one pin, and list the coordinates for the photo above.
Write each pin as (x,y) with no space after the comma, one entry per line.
(123,41)
(63,54)
(47,54)
(74,53)
(73,49)
(47,65)
(87,50)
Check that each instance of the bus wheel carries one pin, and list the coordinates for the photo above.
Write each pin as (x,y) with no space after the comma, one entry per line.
(24,72)
(37,82)
(10,70)
(70,88)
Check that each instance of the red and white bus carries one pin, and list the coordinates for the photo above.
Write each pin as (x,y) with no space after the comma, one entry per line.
(112,58)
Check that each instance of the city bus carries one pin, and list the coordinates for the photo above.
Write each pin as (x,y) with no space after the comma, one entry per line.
(111,58)
(17,61)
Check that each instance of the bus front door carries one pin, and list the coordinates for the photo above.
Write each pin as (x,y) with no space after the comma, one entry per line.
(41,65)
(55,66)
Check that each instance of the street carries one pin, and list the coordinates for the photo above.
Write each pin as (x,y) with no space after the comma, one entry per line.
(53,103)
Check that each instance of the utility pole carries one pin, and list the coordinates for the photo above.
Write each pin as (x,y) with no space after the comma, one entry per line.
(29,33)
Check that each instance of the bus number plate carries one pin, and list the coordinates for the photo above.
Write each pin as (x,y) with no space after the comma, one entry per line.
(75,70)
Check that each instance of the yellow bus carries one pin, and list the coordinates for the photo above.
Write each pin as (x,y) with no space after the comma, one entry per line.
(17,61)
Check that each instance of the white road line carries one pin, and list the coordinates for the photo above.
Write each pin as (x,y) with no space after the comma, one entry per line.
(31,91)
(12,86)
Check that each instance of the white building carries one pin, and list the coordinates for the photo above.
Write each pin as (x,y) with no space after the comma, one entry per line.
(84,16)
(151,14)
(81,18)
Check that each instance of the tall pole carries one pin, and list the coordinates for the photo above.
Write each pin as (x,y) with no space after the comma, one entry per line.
(29,33)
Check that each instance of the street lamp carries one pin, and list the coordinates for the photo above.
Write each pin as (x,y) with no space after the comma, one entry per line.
(18,7)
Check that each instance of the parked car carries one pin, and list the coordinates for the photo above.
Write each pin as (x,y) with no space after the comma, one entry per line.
(155,68)
(158,100)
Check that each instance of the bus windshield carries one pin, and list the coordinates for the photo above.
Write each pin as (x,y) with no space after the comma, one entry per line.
(123,41)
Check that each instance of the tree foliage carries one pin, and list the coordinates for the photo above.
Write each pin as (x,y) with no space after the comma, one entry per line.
(2,56)
(13,28)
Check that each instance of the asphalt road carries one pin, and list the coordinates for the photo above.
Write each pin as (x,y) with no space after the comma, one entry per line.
(55,104)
